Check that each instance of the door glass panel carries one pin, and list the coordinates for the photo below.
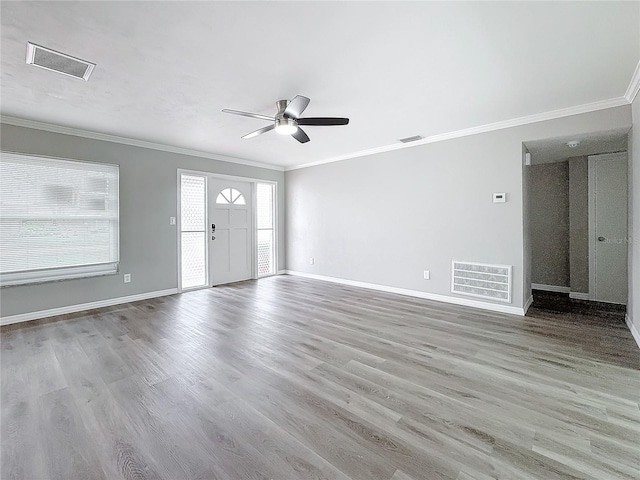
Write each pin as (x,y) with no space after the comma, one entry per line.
(265,252)
(193,259)
(193,235)
(266,234)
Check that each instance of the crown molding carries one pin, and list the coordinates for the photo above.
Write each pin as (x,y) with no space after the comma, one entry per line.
(634,85)
(77,132)
(490,127)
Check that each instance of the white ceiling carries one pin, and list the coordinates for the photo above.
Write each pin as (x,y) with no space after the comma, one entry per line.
(166,69)
(555,149)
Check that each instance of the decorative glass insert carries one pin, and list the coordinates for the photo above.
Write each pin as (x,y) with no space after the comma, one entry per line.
(230,196)
(266,233)
(193,234)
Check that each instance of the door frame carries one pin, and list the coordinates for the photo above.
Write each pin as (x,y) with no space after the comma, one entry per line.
(254,251)
(592,159)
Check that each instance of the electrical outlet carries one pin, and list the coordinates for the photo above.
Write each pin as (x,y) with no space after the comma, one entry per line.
(312,261)
(127,278)
(427,275)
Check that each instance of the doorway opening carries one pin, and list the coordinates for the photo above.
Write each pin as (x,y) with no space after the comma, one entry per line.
(226,229)
(575,206)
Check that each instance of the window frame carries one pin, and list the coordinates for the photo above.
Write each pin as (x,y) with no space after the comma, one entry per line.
(43,275)
(274,226)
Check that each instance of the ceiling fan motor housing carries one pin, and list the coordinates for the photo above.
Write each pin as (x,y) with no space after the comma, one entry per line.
(285,125)
(281,105)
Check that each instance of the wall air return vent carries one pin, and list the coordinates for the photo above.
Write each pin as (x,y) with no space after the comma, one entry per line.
(411,139)
(492,282)
(58,62)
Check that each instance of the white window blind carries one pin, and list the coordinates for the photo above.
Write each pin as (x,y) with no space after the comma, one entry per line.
(58,219)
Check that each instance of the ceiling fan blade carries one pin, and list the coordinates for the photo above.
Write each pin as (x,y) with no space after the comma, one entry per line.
(300,136)
(248,114)
(260,131)
(296,106)
(323,121)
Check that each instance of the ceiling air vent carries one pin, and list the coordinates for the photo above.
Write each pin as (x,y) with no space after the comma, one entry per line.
(58,62)
(411,139)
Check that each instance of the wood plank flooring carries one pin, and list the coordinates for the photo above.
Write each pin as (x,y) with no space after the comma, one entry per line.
(289,378)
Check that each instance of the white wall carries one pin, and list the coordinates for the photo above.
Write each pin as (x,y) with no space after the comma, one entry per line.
(385,218)
(148,197)
(633,306)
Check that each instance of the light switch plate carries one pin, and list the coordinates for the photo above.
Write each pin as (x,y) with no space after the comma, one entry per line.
(499,197)
(172,220)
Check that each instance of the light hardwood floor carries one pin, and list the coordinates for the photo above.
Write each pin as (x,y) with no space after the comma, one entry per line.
(288,378)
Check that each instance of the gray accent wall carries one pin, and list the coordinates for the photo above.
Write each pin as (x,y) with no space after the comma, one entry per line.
(384,218)
(148,193)
(633,305)
(579,224)
(549,220)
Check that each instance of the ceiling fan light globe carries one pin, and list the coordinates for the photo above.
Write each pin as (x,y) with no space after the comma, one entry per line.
(286,126)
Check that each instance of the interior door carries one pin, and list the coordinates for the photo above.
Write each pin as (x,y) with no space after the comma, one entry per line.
(608,228)
(230,231)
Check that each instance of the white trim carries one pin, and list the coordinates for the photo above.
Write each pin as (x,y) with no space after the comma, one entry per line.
(632,327)
(528,304)
(579,296)
(49,127)
(490,127)
(634,85)
(550,288)
(515,122)
(274,226)
(52,312)
(179,230)
(414,293)
(591,181)
(282,272)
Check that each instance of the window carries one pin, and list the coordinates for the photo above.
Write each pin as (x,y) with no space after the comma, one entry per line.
(230,196)
(58,219)
(193,233)
(266,232)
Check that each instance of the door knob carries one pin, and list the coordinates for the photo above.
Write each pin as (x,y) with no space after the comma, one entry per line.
(601,239)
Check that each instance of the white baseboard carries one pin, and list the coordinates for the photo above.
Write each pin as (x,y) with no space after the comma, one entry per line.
(527,304)
(579,295)
(550,288)
(282,272)
(415,293)
(52,312)
(632,327)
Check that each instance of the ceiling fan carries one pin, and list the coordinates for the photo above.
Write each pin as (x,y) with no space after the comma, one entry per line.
(287,121)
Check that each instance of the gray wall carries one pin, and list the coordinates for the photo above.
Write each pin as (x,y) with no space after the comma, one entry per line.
(579,224)
(549,221)
(385,218)
(633,305)
(148,190)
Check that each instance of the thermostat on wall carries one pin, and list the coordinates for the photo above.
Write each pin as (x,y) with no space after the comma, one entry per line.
(499,197)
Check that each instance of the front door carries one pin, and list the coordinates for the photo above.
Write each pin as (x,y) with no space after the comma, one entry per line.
(608,227)
(230,231)
(231,238)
